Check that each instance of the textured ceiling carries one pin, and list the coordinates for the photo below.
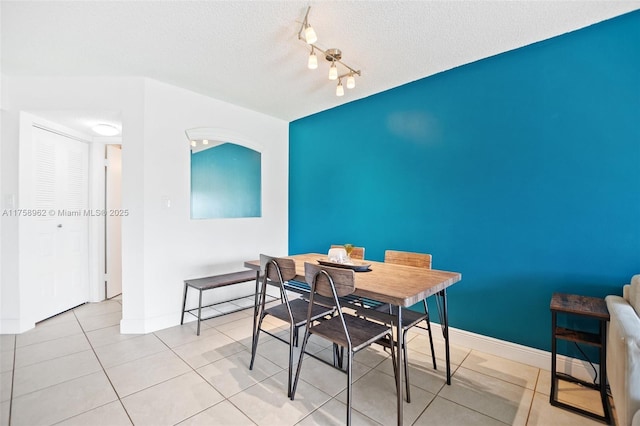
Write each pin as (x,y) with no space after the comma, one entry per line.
(247,52)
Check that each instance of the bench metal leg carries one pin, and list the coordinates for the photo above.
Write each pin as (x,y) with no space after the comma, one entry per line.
(199,313)
(184,303)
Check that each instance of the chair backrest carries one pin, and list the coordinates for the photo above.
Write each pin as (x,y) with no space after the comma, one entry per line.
(330,282)
(277,268)
(420,260)
(356,253)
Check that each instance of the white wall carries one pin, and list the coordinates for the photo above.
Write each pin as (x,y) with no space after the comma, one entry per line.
(161,246)
(177,247)
(42,93)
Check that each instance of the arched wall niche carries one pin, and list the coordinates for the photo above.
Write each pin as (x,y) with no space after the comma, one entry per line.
(226,170)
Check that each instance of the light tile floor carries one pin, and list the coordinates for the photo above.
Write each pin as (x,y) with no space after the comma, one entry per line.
(77,369)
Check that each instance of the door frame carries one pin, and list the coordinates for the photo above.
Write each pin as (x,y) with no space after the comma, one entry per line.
(96,201)
(109,233)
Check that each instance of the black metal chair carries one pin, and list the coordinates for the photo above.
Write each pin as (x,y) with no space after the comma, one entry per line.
(357,253)
(277,271)
(345,330)
(388,314)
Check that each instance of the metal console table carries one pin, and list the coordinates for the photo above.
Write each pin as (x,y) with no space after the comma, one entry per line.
(587,307)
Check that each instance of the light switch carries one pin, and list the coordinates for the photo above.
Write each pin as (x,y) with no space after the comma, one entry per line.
(9,201)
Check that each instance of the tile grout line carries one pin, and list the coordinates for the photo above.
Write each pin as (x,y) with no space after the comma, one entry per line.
(103,370)
(171,349)
(203,378)
(55,357)
(457,403)
(474,410)
(437,394)
(428,405)
(466,357)
(192,369)
(13,370)
(58,357)
(493,377)
(245,350)
(199,375)
(533,397)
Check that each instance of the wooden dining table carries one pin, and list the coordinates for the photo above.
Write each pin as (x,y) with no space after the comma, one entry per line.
(398,285)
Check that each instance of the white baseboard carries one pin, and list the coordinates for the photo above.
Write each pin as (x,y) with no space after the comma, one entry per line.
(146,325)
(149,325)
(133,326)
(512,351)
(519,353)
(14,326)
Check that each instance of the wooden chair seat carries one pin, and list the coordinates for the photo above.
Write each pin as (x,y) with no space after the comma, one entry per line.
(304,289)
(362,332)
(388,314)
(299,310)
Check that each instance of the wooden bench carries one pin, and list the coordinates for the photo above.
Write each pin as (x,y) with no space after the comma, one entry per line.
(209,283)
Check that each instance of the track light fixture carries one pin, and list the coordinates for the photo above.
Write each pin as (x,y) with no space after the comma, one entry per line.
(308,35)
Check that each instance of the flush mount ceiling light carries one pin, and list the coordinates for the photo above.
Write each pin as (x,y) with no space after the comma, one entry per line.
(105,129)
(333,55)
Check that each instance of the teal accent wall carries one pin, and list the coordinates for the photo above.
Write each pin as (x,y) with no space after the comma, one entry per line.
(225,182)
(521,171)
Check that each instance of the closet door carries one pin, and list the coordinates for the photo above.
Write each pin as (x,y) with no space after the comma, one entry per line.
(54,235)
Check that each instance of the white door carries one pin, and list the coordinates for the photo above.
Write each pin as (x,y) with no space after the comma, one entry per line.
(54,224)
(114,220)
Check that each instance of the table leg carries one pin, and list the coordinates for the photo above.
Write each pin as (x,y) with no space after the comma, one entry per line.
(399,384)
(445,333)
(184,303)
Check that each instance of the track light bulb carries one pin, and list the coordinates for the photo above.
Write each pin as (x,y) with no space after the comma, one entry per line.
(313,61)
(351,81)
(310,35)
(194,143)
(340,89)
(205,142)
(333,71)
